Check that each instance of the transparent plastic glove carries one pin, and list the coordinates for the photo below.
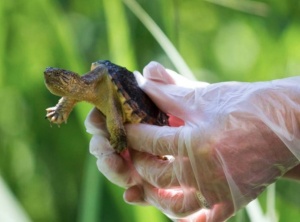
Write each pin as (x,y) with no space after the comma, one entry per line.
(237,139)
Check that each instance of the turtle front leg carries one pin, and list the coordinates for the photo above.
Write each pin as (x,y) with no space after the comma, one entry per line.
(60,113)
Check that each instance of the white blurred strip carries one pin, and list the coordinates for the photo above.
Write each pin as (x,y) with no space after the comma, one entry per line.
(271,206)
(10,209)
(255,212)
(161,38)
(251,7)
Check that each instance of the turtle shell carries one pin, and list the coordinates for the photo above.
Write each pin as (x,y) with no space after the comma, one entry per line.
(137,106)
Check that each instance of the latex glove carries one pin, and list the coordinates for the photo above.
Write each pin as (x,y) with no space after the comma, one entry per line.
(237,139)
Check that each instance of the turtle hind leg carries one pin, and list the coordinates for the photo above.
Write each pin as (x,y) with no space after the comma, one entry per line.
(117,137)
(115,127)
(119,141)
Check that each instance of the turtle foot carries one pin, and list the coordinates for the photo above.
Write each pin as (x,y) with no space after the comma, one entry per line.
(55,115)
(119,144)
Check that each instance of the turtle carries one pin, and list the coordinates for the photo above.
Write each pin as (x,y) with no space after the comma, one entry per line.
(112,89)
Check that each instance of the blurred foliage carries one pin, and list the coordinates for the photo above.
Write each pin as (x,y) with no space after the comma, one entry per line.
(48,169)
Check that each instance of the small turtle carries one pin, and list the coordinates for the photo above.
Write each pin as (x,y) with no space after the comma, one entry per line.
(111,89)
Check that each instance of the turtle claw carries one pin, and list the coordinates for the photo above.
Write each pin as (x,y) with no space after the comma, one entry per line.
(119,147)
(54,115)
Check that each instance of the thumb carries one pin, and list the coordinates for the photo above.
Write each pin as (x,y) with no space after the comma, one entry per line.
(155,72)
(172,99)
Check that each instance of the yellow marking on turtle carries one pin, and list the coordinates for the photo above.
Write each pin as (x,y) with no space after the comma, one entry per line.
(129,114)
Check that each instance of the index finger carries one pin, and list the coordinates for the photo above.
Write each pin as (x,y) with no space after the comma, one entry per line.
(157,140)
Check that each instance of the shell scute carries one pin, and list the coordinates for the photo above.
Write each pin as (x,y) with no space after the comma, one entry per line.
(136,105)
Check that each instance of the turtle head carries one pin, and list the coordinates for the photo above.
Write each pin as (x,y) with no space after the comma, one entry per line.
(61,82)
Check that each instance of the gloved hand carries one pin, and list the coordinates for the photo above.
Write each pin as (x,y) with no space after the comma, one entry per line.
(237,138)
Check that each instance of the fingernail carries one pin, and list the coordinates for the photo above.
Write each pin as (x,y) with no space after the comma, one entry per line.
(139,78)
(134,195)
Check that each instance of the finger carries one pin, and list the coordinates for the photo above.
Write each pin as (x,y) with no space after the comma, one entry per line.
(155,170)
(153,139)
(176,203)
(157,73)
(220,212)
(175,100)
(135,195)
(100,146)
(115,167)
(95,123)
(165,172)
(199,216)
(175,121)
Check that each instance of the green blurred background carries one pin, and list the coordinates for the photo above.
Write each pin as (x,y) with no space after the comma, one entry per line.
(47,173)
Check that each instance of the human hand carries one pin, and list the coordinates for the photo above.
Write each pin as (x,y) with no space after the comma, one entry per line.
(223,139)
(237,138)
